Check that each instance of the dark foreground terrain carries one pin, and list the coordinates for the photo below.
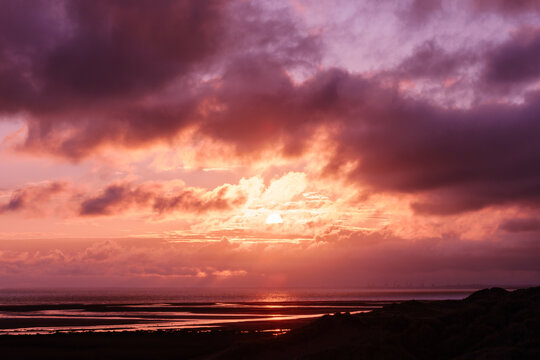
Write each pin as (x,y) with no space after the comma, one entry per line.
(489,324)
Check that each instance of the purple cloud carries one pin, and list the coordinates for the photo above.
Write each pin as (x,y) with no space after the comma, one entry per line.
(117,198)
(32,197)
(521,225)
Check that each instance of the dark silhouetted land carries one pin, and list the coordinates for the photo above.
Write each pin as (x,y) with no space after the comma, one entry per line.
(489,324)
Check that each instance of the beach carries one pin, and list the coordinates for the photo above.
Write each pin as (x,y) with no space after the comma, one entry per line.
(488,324)
(46,311)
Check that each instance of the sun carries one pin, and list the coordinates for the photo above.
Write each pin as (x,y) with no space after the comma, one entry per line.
(274,218)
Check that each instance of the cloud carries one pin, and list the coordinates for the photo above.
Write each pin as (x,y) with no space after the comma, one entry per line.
(460,159)
(117,198)
(420,11)
(374,174)
(32,197)
(456,159)
(507,7)
(285,188)
(229,72)
(521,225)
(515,61)
(120,197)
(96,262)
(488,72)
(103,73)
(355,259)
(88,63)
(88,52)
(432,61)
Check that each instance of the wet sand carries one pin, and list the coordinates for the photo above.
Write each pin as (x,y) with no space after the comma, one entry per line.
(51,318)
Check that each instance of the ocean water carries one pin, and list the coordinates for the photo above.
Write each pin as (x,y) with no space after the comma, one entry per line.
(33,311)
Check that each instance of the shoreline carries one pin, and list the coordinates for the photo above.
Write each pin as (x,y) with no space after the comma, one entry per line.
(23,319)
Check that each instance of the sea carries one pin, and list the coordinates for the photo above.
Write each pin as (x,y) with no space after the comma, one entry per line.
(45,311)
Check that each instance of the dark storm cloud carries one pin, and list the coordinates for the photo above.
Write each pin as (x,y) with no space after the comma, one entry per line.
(455,159)
(263,108)
(90,68)
(32,197)
(27,29)
(100,72)
(509,7)
(521,225)
(516,60)
(115,199)
(420,11)
(430,60)
(95,73)
(489,70)
(460,159)
(78,53)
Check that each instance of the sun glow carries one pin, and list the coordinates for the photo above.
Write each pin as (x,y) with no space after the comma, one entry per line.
(274,218)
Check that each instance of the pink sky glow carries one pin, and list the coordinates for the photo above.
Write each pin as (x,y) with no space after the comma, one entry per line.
(269,143)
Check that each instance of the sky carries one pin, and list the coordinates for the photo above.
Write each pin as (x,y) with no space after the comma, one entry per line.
(289,143)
